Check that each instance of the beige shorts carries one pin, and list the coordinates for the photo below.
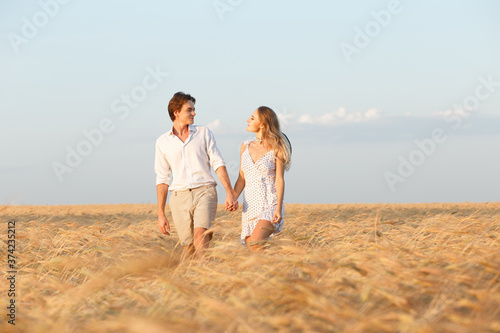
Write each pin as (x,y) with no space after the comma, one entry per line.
(193,208)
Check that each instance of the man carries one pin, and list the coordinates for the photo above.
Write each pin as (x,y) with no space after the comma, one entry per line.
(187,152)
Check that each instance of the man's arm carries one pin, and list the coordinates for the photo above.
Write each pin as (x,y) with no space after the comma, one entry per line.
(162,193)
(217,163)
(231,201)
(163,172)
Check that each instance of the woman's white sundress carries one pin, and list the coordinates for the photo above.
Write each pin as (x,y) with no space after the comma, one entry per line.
(260,199)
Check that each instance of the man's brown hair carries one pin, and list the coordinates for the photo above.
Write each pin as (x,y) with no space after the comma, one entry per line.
(177,102)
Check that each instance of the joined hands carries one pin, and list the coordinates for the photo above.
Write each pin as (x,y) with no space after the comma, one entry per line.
(231,203)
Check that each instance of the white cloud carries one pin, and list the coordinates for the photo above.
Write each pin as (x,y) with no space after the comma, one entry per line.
(216,126)
(286,118)
(447,113)
(339,116)
(372,114)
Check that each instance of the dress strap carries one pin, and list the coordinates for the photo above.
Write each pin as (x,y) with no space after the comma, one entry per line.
(247,142)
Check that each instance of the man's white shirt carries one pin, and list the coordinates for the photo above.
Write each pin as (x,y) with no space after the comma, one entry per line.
(189,162)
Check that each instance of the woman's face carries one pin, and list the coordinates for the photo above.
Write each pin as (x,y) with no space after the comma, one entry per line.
(254,124)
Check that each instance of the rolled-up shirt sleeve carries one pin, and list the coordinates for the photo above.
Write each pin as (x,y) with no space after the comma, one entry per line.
(214,154)
(162,168)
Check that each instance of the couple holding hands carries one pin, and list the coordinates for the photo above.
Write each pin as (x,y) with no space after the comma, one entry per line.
(187,152)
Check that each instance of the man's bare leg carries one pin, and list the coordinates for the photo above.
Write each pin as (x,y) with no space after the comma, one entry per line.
(201,241)
(187,252)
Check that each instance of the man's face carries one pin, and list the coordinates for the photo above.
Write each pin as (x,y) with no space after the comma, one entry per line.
(186,114)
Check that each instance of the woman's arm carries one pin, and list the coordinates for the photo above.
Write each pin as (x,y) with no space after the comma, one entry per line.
(240,183)
(280,187)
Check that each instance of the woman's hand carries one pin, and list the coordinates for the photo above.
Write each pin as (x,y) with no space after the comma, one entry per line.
(277,215)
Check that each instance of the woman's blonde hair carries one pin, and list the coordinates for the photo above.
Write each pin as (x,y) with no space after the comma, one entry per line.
(273,136)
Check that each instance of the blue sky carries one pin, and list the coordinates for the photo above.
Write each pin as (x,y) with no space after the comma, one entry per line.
(361,123)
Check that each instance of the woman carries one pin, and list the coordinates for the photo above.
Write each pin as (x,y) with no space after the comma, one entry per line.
(262,166)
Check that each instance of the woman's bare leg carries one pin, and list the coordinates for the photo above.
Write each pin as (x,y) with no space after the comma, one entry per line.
(262,231)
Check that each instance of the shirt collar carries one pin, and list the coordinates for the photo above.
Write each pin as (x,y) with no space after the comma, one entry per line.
(192,128)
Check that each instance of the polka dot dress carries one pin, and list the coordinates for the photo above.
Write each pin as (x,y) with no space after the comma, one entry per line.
(260,199)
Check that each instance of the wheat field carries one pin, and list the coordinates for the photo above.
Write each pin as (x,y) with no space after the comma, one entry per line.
(334,268)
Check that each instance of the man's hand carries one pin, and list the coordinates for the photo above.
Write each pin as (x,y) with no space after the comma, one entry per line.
(231,198)
(163,225)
